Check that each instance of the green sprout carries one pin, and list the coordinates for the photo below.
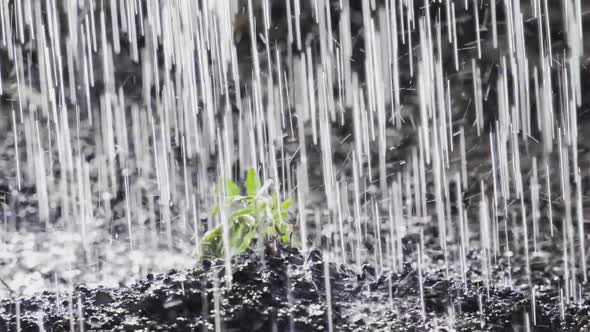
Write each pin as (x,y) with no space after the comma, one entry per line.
(254,216)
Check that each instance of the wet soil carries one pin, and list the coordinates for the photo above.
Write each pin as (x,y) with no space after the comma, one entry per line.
(286,291)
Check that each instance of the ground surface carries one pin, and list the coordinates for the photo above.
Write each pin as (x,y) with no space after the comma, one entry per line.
(284,290)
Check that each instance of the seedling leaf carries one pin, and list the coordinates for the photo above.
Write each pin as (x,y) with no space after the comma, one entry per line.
(212,243)
(286,204)
(230,187)
(252,182)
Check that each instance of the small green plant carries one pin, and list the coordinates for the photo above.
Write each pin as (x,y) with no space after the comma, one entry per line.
(251,217)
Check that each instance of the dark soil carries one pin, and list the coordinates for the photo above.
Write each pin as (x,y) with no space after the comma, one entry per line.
(285,291)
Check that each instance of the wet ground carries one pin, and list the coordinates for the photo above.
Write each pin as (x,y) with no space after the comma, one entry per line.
(285,291)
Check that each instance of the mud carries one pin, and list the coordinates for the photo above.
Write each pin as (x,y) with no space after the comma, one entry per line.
(283,291)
